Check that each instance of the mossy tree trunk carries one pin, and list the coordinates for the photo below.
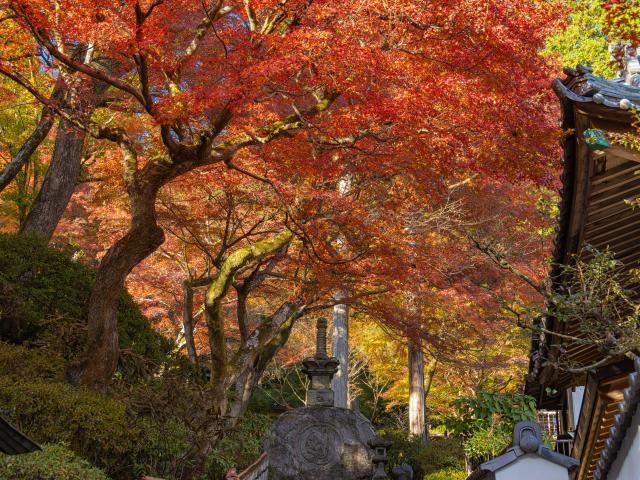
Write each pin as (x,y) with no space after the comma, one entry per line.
(241,369)
(216,293)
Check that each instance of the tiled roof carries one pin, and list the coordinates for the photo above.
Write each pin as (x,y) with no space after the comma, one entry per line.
(13,442)
(622,421)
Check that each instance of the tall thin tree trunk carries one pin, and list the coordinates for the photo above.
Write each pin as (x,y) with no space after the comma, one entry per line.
(417,425)
(340,347)
(28,148)
(59,182)
(430,373)
(187,320)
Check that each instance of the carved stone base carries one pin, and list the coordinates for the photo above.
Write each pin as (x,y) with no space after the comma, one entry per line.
(320,443)
(323,398)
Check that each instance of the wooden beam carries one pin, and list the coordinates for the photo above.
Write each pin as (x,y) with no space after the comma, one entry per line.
(625,220)
(619,171)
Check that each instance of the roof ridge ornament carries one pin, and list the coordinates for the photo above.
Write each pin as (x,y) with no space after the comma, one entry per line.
(527,436)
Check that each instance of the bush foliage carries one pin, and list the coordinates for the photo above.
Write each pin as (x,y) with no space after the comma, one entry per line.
(486,422)
(54,462)
(44,296)
(441,458)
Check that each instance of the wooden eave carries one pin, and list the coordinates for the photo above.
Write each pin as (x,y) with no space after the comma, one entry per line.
(593,211)
(603,393)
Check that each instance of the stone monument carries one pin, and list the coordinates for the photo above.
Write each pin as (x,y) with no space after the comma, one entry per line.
(320,441)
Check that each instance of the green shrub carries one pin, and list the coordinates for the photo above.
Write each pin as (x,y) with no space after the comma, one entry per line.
(43,300)
(486,421)
(447,474)
(241,447)
(441,454)
(20,363)
(487,443)
(55,462)
(404,450)
(93,425)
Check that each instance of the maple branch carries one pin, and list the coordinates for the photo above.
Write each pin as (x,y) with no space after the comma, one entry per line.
(251,15)
(152,7)
(43,39)
(503,263)
(226,150)
(28,148)
(47,102)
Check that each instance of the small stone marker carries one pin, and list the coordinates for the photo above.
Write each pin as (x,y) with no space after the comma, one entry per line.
(403,472)
(320,441)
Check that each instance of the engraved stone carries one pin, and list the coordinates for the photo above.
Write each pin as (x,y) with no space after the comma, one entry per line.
(320,443)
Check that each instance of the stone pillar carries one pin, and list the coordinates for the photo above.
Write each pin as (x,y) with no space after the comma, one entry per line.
(320,369)
(340,350)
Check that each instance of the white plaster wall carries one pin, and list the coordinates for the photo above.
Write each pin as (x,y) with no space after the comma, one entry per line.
(627,464)
(576,403)
(532,467)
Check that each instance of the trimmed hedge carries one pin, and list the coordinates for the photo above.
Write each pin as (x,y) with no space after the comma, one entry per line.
(54,462)
(122,434)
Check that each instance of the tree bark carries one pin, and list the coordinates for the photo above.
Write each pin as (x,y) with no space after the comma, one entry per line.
(417,425)
(59,183)
(62,175)
(143,238)
(340,350)
(187,320)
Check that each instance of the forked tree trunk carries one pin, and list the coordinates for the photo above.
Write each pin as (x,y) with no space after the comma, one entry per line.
(143,238)
(340,350)
(417,425)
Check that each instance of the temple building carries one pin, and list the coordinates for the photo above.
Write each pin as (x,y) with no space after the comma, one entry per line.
(598,422)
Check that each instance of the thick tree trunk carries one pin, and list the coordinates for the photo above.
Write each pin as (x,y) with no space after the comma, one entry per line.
(417,425)
(143,238)
(340,350)
(62,175)
(59,183)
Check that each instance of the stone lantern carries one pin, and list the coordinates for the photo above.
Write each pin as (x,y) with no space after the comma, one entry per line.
(527,459)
